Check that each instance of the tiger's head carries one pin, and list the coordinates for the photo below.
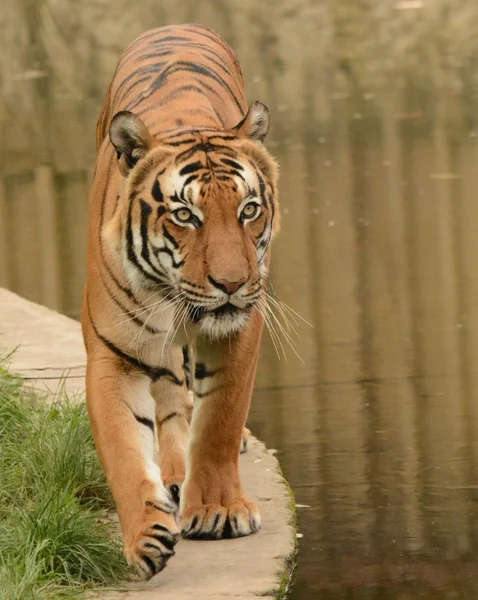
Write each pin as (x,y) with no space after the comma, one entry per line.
(196,215)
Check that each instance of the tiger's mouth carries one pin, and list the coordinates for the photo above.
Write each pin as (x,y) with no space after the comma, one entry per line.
(226,310)
(221,321)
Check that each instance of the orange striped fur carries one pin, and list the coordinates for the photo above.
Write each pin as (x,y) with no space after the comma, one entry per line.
(182,212)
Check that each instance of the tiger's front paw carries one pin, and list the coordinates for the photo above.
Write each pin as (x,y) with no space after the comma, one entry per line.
(214,521)
(213,505)
(149,544)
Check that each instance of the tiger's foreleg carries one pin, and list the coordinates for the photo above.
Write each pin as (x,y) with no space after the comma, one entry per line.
(213,503)
(174,405)
(122,416)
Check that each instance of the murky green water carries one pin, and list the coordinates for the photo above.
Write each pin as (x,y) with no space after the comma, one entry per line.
(375,125)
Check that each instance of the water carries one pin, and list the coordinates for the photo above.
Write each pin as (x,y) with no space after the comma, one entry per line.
(375,127)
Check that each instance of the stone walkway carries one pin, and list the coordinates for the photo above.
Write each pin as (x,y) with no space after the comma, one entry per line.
(49,347)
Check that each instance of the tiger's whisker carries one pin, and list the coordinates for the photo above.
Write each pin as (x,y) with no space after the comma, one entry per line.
(272,328)
(266,321)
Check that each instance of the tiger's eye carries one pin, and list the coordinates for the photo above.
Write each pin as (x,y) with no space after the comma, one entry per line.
(183,214)
(250,210)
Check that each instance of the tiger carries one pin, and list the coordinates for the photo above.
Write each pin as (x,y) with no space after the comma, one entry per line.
(183,209)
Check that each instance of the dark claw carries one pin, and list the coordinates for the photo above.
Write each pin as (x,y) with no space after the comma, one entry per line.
(227,533)
(194,522)
(150,563)
(175,492)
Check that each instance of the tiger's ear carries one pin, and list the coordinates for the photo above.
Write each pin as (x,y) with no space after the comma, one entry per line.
(255,124)
(131,139)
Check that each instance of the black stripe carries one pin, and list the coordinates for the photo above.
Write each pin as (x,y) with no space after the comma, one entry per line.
(170,253)
(232,163)
(218,59)
(130,314)
(186,154)
(158,527)
(202,372)
(170,416)
(121,287)
(205,147)
(204,394)
(271,204)
(188,67)
(181,142)
(140,75)
(188,181)
(148,35)
(145,70)
(124,289)
(176,198)
(260,241)
(154,546)
(171,38)
(191,168)
(172,133)
(226,137)
(163,506)
(167,541)
(198,295)
(187,367)
(136,83)
(131,254)
(145,421)
(212,35)
(153,373)
(221,63)
(169,237)
(265,243)
(156,192)
(149,562)
(234,172)
(262,189)
(146,211)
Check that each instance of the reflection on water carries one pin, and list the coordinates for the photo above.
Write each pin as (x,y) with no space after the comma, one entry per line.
(377,137)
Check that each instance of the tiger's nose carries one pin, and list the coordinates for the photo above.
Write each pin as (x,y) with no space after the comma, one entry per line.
(227,286)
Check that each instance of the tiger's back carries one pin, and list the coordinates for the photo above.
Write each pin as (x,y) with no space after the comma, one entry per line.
(182,212)
(175,78)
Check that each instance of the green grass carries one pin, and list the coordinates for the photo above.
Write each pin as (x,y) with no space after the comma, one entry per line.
(55,538)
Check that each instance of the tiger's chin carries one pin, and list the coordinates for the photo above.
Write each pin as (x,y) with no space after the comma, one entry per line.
(223,321)
(223,326)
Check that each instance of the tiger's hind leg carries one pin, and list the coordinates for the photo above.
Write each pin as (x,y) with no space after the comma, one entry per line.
(174,404)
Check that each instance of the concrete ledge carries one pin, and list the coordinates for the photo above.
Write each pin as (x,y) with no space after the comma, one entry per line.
(50,348)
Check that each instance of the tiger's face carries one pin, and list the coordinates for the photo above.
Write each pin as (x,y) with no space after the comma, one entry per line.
(197,217)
